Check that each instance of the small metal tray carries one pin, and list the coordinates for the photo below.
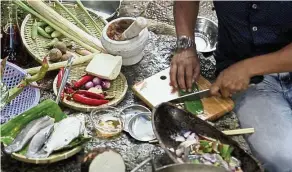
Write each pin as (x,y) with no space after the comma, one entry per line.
(128,112)
(140,127)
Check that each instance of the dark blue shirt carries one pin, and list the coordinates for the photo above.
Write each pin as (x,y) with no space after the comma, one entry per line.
(247,29)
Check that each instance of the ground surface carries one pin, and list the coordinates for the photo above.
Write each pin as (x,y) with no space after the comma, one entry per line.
(156,58)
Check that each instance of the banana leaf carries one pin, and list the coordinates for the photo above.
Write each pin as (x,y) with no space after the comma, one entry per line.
(48,107)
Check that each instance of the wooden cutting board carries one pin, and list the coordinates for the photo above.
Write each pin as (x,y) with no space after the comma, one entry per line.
(155,90)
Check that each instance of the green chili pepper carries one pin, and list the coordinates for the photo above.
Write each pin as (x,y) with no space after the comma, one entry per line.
(196,161)
(42,32)
(195,107)
(228,154)
(224,150)
(34,30)
(56,34)
(49,29)
(41,24)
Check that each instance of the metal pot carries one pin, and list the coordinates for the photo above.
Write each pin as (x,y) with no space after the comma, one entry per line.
(181,167)
(106,9)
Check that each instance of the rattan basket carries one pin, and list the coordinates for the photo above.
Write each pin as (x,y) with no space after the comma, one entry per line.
(118,88)
(36,47)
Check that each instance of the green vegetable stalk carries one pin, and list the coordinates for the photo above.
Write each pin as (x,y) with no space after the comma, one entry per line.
(91,19)
(77,21)
(14,92)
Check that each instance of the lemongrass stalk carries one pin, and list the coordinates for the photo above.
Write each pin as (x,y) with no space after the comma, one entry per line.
(77,21)
(15,91)
(55,66)
(77,40)
(86,12)
(63,23)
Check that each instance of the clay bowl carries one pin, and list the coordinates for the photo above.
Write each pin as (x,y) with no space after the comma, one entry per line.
(168,120)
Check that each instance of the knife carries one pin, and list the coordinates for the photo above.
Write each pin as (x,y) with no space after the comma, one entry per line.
(206,93)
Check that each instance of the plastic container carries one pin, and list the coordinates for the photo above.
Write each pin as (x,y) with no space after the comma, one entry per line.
(28,98)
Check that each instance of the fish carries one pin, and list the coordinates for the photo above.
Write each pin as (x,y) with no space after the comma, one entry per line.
(64,132)
(38,141)
(27,133)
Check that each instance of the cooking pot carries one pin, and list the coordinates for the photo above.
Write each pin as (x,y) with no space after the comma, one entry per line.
(180,167)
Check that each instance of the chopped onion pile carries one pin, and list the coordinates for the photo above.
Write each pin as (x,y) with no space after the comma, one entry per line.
(199,149)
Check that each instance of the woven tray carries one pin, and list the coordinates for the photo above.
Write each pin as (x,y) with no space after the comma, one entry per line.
(118,88)
(36,47)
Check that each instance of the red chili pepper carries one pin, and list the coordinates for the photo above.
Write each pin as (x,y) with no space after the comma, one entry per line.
(60,77)
(83,80)
(90,94)
(88,101)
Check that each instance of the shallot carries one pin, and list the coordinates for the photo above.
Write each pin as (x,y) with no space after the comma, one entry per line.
(89,85)
(105,84)
(96,81)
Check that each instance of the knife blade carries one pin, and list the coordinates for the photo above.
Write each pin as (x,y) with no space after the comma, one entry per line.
(206,93)
(192,96)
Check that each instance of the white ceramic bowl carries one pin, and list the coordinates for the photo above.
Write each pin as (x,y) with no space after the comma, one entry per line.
(131,50)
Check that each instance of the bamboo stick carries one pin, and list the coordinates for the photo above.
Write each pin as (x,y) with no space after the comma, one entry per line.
(56,66)
(239,131)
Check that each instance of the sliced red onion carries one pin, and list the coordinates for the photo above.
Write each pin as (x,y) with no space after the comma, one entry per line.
(192,136)
(89,85)
(171,150)
(180,139)
(209,157)
(186,134)
(105,84)
(96,81)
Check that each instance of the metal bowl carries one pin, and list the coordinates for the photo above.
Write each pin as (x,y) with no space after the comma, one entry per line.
(206,32)
(106,9)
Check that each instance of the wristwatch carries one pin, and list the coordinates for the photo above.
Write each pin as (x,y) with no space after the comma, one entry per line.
(185,42)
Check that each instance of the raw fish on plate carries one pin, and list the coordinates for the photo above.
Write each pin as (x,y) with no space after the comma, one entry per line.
(27,133)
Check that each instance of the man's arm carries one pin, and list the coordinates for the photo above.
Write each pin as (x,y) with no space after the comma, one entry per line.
(276,62)
(236,77)
(185,66)
(185,16)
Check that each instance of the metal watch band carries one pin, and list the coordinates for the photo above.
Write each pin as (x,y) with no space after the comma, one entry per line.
(185,42)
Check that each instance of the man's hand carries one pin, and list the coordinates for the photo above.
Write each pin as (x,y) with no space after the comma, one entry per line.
(233,79)
(184,69)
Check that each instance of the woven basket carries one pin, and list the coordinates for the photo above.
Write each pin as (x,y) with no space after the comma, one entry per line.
(118,88)
(36,47)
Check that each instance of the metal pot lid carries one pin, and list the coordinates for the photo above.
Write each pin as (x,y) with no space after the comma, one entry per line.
(140,127)
(128,112)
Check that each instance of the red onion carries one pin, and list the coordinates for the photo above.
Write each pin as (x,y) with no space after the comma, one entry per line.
(89,85)
(96,81)
(105,84)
